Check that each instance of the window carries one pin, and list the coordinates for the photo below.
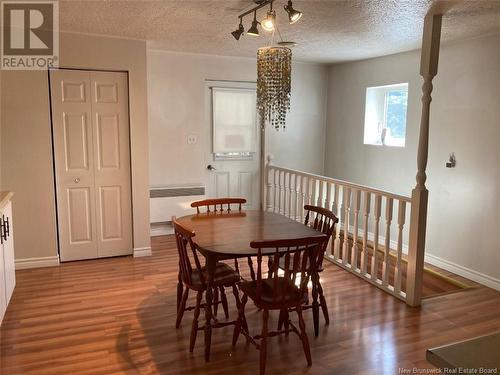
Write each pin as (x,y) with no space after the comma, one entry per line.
(385,115)
(234,123)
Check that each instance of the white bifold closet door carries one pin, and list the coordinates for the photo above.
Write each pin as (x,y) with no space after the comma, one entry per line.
(92,163)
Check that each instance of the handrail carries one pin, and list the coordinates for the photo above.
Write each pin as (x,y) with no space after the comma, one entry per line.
(345,183)
(369,220)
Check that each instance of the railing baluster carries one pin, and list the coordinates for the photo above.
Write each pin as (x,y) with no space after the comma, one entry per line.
(276,190)
(354,251)
(328,200)
(338,213)
(297,197)
(312,190)
(308,191)
(328,205)
(377,212)
(285,193)
(290,190)
(387,254)
(366,213)
(280,200)
(269,186)
(401,223)
(320,194)
(303,182)
(346,194)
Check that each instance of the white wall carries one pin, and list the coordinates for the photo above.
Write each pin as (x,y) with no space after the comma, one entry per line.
(176,91)
(26,140)
(463,202)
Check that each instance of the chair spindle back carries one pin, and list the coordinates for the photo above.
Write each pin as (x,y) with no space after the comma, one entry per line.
(322,220)
(300,257)
(184,239)
(218,204)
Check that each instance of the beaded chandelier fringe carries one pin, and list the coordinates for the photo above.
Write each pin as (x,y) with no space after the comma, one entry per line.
(274,70)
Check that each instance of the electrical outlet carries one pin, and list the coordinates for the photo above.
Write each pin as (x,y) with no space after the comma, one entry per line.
(192,139)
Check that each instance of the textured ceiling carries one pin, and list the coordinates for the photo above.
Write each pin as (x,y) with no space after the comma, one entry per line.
(329,31)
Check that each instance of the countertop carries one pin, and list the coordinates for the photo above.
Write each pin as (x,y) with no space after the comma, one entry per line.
(478,353)
(5,197)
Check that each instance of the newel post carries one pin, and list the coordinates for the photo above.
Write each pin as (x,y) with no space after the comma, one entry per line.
(418,221)
(268,184)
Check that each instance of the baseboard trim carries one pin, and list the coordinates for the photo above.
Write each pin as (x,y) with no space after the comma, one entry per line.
(142,252)
(22,264)
(468,273)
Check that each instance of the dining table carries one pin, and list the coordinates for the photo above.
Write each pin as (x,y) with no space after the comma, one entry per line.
(227,235)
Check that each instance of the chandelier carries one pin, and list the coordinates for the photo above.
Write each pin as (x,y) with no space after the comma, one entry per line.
(274,70)
(274,64)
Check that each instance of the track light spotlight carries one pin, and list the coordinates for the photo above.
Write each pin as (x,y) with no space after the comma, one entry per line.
(254,30)
(293,14)
(239,31)
(270,20)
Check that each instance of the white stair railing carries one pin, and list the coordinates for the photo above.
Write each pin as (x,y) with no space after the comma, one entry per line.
(371,237)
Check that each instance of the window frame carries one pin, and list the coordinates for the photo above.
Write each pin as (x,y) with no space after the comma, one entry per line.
(385,90)
(241,155)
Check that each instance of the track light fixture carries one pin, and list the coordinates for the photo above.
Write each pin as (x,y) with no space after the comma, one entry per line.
(293,14)
(239,31)
(253,30)
(269,22)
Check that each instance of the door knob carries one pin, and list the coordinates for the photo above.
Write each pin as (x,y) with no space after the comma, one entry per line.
(77,180)
(210,167)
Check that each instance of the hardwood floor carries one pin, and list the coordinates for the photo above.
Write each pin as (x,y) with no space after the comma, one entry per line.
(117,316)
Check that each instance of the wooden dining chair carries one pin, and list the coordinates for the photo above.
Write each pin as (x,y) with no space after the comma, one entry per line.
(324,221)
(214,206)
(218,204)
(193,276)
(281,293)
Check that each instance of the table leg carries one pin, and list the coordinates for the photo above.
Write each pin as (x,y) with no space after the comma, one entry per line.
(211,263)
(315,304)
(180,288)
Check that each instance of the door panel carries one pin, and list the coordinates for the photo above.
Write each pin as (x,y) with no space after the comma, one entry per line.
(111,212)
(245,186)
(73,156)
(92,157)
(75,91)
(221,184)
(108,142)
(75,141)
(112,170)
(79,215)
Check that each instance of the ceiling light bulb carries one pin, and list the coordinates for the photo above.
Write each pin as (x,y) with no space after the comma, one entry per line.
(268,22)
(293,14)
(254,31)
(238,32)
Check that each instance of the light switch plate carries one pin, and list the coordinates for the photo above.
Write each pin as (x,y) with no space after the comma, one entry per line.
(192,139)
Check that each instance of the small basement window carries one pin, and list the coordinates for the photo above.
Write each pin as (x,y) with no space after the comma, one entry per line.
(385,115)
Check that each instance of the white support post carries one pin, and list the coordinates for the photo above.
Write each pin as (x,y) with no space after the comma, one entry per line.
(268,203)
(418,219)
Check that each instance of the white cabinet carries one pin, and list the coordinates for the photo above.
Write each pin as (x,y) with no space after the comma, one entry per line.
(3,294)
(7,265)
